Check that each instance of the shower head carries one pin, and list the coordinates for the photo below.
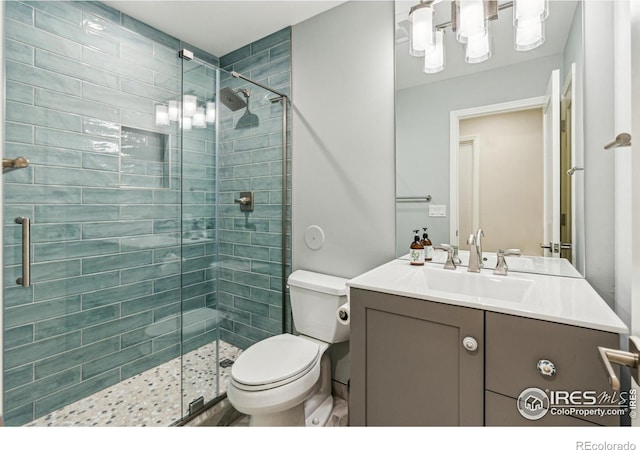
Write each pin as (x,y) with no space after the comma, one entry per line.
(231,100)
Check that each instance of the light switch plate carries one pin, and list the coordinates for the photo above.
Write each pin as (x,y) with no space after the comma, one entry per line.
(437,210)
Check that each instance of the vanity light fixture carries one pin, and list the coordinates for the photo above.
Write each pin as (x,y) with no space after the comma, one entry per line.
(470,23)
(189,112)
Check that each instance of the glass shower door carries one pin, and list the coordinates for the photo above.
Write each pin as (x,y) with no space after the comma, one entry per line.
(200,331)
(95,339)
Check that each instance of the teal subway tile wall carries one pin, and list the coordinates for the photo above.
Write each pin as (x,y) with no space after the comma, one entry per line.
(126,273)
(250,256)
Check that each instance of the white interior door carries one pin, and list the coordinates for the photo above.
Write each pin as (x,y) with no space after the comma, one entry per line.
(551,131)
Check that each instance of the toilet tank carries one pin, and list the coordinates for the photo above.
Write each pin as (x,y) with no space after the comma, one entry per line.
(315,298)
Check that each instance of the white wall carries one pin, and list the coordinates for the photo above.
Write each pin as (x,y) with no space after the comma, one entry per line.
(598,163)
(343,149)
(343,174)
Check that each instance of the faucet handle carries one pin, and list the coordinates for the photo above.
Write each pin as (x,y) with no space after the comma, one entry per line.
(471,240)
(501,266)
(450,264)
(510,252)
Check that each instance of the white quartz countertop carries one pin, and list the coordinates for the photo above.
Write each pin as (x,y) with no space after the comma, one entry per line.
(570,301)
(525,263)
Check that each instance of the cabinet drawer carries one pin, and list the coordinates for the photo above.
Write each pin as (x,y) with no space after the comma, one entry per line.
(514,345)
(502,411)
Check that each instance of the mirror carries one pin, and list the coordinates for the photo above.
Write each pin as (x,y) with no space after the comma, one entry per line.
(515,184)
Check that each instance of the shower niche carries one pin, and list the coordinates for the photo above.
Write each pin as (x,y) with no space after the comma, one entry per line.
(145,159)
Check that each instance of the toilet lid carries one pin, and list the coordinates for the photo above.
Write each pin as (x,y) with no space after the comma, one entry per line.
(274,359)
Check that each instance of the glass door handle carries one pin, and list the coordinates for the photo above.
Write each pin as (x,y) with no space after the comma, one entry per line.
(25,279)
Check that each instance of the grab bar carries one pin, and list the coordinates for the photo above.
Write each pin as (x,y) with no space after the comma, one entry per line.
(622,140)
(25,280)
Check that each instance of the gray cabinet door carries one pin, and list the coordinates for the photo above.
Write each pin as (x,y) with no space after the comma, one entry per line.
(408,364)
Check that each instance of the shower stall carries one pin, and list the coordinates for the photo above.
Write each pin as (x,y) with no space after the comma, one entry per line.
(146,240)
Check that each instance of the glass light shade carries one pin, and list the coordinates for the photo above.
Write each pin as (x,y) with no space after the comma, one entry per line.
(162,115)
(210,115)
(198,118)
(190,104)
(420,29)
(529,34)
(478,50)
(186,123)
(470,18)
(434,59)
(530,9)
(173,110)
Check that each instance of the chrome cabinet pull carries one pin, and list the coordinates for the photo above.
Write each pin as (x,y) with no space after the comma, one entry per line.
(25,280)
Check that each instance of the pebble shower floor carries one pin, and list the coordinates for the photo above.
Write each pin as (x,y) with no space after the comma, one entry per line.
(151,398)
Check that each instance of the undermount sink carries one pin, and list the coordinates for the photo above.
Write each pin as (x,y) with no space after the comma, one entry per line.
(482,285)
(568,300)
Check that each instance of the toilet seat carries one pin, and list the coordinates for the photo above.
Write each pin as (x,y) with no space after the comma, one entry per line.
(274,362)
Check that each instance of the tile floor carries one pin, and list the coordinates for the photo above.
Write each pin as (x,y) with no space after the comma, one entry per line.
(151,398)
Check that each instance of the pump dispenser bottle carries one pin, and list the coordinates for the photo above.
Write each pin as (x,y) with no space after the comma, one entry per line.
(416,252)
(428,247)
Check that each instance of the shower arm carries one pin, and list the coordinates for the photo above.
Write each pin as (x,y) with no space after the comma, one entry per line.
(239,75)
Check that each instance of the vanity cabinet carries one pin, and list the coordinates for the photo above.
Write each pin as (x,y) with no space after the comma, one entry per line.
(515,345)
(409,365)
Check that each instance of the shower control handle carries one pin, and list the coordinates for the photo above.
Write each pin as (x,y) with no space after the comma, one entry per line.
(245,201)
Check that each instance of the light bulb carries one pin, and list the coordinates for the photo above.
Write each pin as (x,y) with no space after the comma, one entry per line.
(434,59)
(478,50)
(529,34)
(198,118)
(471,21)
(210,115)
(162,115)
(189,105)
(421,29)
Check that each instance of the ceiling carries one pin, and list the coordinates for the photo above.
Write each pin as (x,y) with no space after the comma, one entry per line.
(219,27)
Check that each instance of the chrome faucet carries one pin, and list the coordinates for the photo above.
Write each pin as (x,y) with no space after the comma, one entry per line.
(501,266)
(451,252)
(475,252)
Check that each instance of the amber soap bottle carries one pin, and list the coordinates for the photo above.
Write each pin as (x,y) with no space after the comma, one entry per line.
(416,251)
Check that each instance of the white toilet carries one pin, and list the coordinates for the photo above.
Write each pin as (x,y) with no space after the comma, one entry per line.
(285,380)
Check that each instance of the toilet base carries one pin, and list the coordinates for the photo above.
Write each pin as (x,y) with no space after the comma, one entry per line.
(320,416)
(293,417)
